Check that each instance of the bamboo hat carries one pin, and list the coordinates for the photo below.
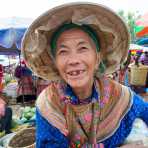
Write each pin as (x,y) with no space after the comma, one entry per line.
(111,30)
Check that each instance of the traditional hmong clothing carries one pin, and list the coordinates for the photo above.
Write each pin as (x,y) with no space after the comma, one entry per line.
(25,89)
(103,120)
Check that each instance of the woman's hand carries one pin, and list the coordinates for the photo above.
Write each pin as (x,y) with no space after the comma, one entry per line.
(137,144)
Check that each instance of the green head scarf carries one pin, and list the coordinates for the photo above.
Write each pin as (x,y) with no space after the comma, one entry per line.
(86,28)
(69,26)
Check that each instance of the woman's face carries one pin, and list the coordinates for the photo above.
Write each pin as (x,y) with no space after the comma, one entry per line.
(76,58)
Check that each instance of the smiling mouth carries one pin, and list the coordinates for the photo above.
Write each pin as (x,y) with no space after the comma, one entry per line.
(75,73)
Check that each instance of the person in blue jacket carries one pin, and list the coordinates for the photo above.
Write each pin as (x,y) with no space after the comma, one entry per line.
(75,46)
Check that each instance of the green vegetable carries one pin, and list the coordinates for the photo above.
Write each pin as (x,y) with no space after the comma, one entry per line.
(27,109)
(28,115)
(14,124)
(23,119)
(33,109)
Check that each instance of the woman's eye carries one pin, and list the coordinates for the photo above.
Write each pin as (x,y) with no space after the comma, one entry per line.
(83,49)
(62,52)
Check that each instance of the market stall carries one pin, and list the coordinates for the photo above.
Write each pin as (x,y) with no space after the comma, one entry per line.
(11,33)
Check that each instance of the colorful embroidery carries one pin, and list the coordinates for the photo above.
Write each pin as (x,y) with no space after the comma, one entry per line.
(69,95)
(87,121)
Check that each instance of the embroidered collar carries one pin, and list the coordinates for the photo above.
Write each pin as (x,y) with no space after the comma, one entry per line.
(75,100)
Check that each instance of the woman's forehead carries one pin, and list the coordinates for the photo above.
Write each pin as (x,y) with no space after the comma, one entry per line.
(74,34)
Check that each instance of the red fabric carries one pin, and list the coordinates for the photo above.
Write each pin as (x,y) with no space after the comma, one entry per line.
(23,63)
(1,70)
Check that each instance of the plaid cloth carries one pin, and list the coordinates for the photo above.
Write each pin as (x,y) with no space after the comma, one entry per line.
(25,86)
(41,84)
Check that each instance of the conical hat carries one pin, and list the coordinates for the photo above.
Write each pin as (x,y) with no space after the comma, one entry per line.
(112,32)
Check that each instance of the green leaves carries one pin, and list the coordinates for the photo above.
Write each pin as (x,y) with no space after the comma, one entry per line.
(130,19)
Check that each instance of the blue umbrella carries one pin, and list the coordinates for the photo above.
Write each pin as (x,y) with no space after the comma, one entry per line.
(12,30)
(11,36)
(9,51)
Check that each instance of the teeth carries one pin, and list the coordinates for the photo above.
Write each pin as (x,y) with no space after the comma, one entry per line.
(74,73)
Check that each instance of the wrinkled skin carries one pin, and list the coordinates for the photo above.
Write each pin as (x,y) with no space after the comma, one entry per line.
(77,59)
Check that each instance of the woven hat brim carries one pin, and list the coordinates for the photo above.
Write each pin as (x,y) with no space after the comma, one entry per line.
(112,31)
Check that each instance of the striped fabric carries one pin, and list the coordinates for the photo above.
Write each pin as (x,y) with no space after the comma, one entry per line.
(88,123)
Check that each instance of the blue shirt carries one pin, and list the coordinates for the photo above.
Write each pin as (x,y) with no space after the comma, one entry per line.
(47,136)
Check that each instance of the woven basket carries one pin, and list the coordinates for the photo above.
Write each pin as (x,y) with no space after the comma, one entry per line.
(23,139)
(138,75)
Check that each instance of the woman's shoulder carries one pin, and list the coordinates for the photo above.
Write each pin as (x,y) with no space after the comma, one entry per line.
(52,94)
(114,97)
(51,107)
(111,88)
(123,97)
(54,87)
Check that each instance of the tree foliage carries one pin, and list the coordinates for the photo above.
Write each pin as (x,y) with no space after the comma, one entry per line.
(130,19)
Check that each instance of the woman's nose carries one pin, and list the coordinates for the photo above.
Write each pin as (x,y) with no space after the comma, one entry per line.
(73,60)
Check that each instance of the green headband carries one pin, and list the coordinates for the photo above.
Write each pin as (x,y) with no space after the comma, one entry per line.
(69,26)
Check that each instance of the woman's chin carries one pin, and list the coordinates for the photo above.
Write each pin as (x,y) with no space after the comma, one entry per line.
(78,83)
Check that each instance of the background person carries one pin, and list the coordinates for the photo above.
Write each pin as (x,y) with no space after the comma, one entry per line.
(26,88)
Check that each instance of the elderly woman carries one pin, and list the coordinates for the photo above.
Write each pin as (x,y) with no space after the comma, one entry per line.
(74,46)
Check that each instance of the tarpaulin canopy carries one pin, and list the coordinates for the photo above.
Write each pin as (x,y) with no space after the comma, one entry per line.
(11,33)
(142,41)
(9,51)
(143,32)
(11,36)
(142,26)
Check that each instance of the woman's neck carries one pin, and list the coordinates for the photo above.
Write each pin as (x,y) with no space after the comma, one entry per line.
(85,92)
